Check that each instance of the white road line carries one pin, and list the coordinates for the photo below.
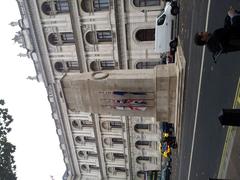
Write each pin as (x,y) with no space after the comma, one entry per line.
(199,88)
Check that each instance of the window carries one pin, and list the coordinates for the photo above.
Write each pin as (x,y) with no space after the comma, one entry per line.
(147,64)
(55,7)
(102,65)
(92,154)
(107,65)
(116,124)
(89,139)
(100,5)
(86,124)
(67,37)
(61,38)
(83,123)
(72,65)
(95,37)
(62,6)
(95,5)
(142,127)
(117,140)
(104,36)
(141,144)
(93,167)
(145,35)
(120,169)
(118,155)
(144,3)
(143,159)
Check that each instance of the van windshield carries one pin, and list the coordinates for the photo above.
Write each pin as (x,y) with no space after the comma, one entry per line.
(162,11)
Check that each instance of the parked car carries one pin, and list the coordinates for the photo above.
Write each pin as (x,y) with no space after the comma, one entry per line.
(167,127)
(165,38)
(168,134)
(165,149)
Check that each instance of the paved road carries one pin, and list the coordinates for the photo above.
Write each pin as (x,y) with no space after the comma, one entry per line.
(217,90)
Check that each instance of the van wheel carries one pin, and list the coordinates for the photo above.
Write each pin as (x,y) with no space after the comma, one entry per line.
(175,10)
(173,49)
(173,44)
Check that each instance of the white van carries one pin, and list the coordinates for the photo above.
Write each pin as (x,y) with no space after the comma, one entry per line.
(165,39)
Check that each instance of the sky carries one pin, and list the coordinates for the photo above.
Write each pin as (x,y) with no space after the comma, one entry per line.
(38,155)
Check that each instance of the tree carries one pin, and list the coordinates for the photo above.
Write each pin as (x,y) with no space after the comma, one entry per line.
(7,162)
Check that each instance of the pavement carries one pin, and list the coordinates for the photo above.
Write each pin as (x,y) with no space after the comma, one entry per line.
(230,166)
(181,64)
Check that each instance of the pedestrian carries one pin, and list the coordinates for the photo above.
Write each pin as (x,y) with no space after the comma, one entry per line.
(225,39)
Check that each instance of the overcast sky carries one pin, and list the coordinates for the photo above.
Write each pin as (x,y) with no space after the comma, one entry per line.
(38,154)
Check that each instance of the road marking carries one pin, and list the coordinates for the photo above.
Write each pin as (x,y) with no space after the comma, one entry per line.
(198,97)
(231,132)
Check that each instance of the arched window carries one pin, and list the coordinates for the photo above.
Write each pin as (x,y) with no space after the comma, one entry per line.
(81,154)
(112,125)
(95,37)
(81,124)
(142,127)
(110,169)
(107,141)
(94,66)
(147,64)
(59,66)
(114,170)
(95,5)
(75,124)
(61,38)
(78,139)
(55,7)
(144,3)
(84,167)
(145,35)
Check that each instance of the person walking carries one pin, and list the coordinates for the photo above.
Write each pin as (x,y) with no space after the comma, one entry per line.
(222,40)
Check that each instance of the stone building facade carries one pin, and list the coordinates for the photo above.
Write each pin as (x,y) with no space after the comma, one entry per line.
(65,37)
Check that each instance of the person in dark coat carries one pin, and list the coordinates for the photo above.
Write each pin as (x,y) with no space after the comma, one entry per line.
(222,40)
